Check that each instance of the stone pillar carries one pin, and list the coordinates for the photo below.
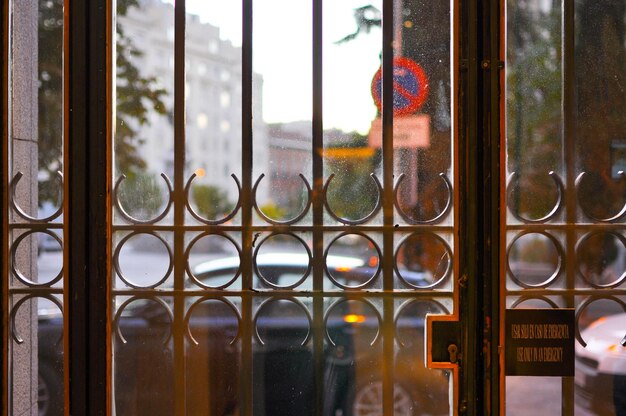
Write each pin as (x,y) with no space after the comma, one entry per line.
(23,84)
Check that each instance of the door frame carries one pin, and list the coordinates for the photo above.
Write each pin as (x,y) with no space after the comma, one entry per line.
(87,272)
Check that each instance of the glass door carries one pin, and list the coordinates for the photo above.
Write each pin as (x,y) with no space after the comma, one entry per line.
(565,128)
(283,214)
(290,207)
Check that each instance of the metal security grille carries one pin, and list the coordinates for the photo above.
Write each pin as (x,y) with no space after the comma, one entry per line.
(334,337)
(168,250)
(568,212)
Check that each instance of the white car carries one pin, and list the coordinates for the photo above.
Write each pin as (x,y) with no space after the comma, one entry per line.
(601,366)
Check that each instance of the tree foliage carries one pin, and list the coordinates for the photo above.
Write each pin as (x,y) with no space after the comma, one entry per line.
(141,195)
(534,97)
(352,193)
(136,96)
(211,201)
(535,116)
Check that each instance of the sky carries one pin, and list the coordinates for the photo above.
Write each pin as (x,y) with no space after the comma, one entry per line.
(283,55)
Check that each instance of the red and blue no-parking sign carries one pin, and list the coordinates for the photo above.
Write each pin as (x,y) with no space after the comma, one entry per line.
(410,87)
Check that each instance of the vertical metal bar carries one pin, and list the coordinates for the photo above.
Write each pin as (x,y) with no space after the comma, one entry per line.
(569,149)
(4,223)
(318,208)
(318,148)
(468,147)
(499,390)
(75,299)
(86,146)
(179,205)
(569,133)
(388,207)
(492,325)
(108,206)
(246,374)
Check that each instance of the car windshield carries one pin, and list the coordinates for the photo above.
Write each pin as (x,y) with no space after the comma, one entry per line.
(280,270)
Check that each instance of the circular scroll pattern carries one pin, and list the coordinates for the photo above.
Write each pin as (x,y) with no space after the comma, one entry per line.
(128,217)
(410,319)
(147,307)
(596,254)
(219,313)
(288,271)
(597,187)
(160,242)
(282,320)
(411,219)
(305,210)
(349,322)
(13,201)
(535,259)
(16,307)
(359,221)
(349,276)
(200,280)
(209,221)
(423,260)
(513,193)
(587,304)
(16,248)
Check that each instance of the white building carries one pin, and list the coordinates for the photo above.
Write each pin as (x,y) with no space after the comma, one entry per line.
(213,97)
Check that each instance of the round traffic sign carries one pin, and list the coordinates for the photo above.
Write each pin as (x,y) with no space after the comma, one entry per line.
(410,86)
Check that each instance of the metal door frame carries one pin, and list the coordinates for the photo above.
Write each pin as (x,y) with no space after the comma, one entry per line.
(88,31)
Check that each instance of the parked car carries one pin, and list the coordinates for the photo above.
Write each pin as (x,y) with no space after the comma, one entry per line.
(601,367)
(282,362)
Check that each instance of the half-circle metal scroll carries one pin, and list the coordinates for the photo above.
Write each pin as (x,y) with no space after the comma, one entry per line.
(219,299)
(118,269)
(206,220)
(612,284)
(559,268)
(296,302)
(586,304)
(294,220)
(541,298)
(560,187)
(118,314)
(190,272)
(129,217)
(16,336)
(22,213)
(368,217)
(18,274)
(443,310)
(434,220)
(265,280)
(592,217)
(336,305)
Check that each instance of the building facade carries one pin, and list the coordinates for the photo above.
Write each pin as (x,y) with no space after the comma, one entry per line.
(213,97)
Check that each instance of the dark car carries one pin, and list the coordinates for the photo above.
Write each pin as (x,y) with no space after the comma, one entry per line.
(283,360)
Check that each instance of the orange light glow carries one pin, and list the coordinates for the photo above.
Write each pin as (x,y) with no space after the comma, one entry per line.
(373,261)
(200,173)
(614,348)
(354,319)
(343,269)
(597,322)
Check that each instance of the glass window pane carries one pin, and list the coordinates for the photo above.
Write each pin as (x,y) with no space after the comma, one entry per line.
(263,288)
(565,75)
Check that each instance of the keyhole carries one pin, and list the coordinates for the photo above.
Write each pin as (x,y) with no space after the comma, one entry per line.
(452,350)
